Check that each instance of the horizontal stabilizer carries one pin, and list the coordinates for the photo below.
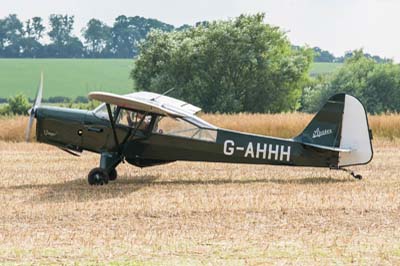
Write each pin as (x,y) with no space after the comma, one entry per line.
(327,147)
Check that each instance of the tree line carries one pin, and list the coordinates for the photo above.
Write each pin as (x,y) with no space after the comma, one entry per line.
(324,56)
(26,39)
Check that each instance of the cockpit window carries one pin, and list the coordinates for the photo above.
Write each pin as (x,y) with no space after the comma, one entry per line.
(182,128)
(101,111)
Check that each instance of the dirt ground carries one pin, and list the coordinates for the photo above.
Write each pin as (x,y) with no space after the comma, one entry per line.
(196,213)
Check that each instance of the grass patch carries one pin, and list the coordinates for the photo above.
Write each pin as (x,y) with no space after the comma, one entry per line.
(65,77)
(77,77)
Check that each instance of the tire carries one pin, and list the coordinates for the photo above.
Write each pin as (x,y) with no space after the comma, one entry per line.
(98,176)
(112,176)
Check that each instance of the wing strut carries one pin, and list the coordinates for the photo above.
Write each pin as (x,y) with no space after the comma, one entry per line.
(132,131)
(112,122)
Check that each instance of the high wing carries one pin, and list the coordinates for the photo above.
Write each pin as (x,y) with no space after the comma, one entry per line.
(148,102)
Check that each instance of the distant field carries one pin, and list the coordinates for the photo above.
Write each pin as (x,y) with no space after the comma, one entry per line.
(64,77)
(77,77)
(324,68)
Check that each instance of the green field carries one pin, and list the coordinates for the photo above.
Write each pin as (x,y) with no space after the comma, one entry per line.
(77,77)
(323,68)
(64,77)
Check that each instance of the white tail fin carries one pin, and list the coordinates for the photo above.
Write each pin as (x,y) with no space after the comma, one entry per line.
(356,134)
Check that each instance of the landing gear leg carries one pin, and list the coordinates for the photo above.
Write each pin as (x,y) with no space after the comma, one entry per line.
(106,172)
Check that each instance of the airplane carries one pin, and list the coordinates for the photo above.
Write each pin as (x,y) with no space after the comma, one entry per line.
(147,129)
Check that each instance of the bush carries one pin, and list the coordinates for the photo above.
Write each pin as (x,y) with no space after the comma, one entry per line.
(58,99)
(18,105)
(81,99)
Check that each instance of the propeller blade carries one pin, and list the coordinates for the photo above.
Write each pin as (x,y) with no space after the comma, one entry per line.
(29,128)
(38,99)
(32,111)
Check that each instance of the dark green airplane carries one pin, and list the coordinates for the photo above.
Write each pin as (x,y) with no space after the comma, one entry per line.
(147,129)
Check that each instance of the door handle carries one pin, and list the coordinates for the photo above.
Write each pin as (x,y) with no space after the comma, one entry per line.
(95,129)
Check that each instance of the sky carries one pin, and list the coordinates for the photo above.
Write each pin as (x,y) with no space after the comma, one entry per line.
(333,25)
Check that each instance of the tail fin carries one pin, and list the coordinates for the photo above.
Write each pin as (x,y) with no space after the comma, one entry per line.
(341,125)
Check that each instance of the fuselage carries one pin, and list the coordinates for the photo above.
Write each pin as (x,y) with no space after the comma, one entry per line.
(84,130)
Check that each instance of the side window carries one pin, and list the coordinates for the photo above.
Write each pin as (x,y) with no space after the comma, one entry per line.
(132,119)
(179,127)
(101,111)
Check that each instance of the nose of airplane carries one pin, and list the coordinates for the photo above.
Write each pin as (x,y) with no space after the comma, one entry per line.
(60,126)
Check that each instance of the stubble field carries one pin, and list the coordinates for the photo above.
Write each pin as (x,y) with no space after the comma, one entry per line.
(196,213)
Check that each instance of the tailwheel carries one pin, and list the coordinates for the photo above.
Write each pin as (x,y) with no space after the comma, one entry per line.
(113,175)
(98,176)
(356,176)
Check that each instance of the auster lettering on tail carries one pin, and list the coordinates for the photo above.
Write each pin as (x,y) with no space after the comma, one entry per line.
(259,151)
(320,133)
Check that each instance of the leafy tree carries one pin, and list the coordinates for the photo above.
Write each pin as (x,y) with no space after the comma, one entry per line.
(128,32)
(237,65)
(322,55)
(34,28)
(11,32)
(183,27)
(64,44)
(61,28)
(33,32)
(97,35)
(377,85)
(350,54)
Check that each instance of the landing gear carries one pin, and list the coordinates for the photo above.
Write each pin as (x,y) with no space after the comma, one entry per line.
(98,176)
(106,172)
(113,175)
(359,177)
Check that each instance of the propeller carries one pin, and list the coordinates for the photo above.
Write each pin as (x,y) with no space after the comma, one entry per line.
(32,111)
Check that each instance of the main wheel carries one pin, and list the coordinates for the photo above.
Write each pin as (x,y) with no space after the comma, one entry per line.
(113,175)
(98,176)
